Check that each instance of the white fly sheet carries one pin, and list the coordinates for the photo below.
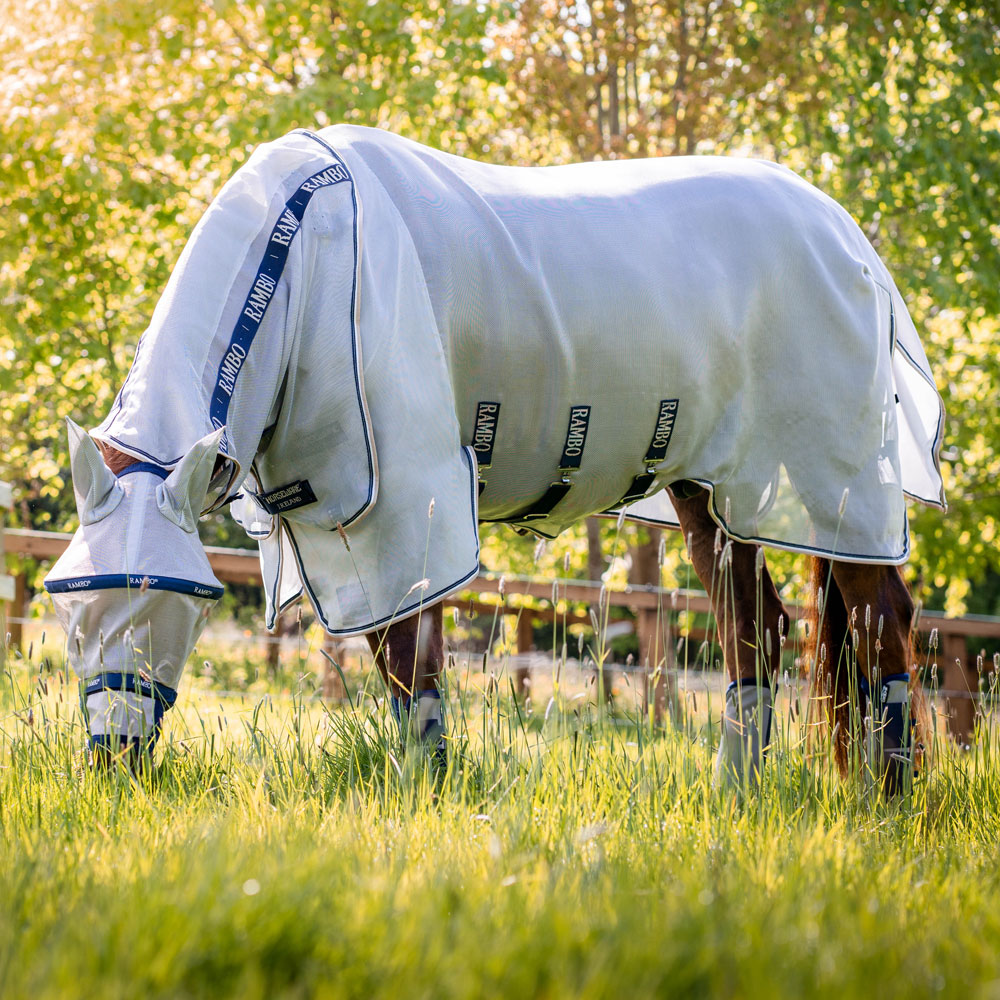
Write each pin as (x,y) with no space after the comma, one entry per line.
(399,342)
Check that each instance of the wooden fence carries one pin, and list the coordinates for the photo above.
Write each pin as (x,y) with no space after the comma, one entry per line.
(959,678)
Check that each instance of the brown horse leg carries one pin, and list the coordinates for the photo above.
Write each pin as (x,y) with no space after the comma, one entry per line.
(880,612)
(409,654)
(748,614)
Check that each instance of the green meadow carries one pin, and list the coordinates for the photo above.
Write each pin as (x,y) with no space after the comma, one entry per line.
(280,848)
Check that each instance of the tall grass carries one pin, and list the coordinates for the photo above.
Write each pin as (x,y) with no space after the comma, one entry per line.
(280,848)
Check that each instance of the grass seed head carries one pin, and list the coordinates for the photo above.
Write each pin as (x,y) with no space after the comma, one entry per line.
(343,536)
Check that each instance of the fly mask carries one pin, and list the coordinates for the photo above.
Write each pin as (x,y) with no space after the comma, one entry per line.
(134,587)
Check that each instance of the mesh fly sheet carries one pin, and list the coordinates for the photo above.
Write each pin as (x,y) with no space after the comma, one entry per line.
(398,342)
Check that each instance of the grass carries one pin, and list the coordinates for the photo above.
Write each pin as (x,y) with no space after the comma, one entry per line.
(279,849)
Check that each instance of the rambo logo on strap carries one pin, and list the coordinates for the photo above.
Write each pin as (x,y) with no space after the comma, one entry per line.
(483,435)
(572,456)
(655,454)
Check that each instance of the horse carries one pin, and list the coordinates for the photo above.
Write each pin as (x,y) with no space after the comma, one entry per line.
(368,347)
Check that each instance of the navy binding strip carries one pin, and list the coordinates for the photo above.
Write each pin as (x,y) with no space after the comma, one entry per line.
(163,698)
(264,286)
(133,683)
(134,581)
(156,470)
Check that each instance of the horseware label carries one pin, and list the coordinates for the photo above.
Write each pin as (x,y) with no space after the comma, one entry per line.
(286,498)
(576,437)
(262,290)
(664,429)
(484,432)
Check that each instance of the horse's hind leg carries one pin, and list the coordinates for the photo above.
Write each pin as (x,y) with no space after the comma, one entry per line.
(880,614)
(409,655)
(748,614)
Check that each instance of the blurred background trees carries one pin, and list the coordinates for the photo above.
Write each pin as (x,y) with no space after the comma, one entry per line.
(122,119)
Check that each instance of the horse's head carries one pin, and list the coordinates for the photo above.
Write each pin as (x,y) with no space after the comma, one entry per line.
(134,587)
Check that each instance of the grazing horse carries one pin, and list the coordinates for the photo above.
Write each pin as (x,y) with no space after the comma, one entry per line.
(368,346)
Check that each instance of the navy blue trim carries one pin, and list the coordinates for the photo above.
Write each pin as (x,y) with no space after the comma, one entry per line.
(262,290)
(163,699)
(354,333)
(134,684)
(772,542)
(112,742)
(133,581)
(742,682)
(130,448)
(157,470)
(264,285)
(896,677)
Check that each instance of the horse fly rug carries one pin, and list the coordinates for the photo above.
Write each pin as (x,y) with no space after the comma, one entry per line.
(395,342)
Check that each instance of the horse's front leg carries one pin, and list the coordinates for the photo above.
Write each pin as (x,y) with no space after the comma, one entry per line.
(748,613)
(409,655)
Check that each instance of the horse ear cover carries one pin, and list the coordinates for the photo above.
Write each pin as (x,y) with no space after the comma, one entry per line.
(182,496)
(94,485)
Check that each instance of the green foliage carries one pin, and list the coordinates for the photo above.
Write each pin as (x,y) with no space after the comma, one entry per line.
(121,120)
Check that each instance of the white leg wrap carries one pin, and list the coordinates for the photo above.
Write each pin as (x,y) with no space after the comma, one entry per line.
(887,724)
(430,721)
(120,713)
(746,732)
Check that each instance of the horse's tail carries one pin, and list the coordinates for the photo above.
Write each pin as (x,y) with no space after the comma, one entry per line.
(826,642)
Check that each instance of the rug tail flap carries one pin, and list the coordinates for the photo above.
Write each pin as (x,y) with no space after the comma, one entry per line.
(920,413)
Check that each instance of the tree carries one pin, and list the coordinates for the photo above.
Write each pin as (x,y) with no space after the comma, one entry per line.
(122,119)
(892,108)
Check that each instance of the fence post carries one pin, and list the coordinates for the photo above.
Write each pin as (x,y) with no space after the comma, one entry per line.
(961,706)
(6,583)
(655,653)
(525,644)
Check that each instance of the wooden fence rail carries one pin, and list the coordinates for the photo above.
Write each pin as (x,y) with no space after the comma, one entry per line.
(959,678)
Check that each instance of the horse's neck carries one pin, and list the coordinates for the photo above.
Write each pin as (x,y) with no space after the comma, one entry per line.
(117,461)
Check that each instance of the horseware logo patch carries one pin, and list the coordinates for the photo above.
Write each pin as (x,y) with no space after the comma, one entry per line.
(286,498)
